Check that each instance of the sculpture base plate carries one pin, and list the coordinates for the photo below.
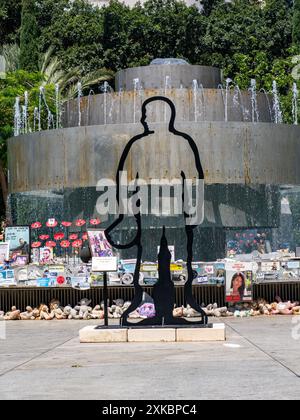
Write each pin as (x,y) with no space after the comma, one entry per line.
(139,334)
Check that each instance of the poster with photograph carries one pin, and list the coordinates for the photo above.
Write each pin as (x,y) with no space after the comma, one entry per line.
(35,255)
(127,266)
(269,266)
(21,274)
(80,283)
(113,278)
(99,245)
(46,255)
(4,252)
(209,273)
(78,270)
(35,272)
(239,279)
(18,238)
(96,279)
(19,260)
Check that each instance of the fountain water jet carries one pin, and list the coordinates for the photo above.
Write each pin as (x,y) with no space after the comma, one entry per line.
(276,104)
(295,104)
(17,117)
(136,82)
(57,106)
(79,95)
(254,108)
(227,90)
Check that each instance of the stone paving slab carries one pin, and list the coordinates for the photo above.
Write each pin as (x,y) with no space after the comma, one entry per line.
(258,361)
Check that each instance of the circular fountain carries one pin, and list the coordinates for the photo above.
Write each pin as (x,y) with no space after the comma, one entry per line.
(246,152)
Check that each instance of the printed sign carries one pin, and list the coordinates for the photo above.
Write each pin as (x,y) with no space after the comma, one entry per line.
(293,265)
(43,282)
(4,252)
(149,267)
(104,264)
(176,267)
(7,278)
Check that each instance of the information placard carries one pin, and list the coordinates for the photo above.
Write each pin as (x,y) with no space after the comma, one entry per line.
(104,264)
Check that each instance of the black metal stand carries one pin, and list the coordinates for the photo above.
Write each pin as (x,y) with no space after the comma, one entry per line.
(105,297)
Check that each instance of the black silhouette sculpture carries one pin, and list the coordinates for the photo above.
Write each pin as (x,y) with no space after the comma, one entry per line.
(163,290)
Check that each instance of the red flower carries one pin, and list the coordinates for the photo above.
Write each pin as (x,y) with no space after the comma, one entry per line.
(59,236)
(36,244)
(60,279)
(95,222)
(36,225)
(73,236)
(51,223)
(85,236)
(80,222)
(65,244)
(44,237)
(77,244)
(66,224)
(51,244)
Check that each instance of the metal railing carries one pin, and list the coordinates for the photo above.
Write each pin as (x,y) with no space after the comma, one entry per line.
(34,296)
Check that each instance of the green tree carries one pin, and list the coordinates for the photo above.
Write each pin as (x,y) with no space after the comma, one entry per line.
(296,24)
(115,38)
(176,30)
(209,5)
(29,37)
(10,20)
(277,35)
(75,33)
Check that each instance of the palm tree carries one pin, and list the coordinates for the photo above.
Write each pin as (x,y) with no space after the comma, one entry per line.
(11,54)
(51,68)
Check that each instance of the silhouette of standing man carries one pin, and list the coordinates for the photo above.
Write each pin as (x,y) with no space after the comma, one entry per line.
(132,156)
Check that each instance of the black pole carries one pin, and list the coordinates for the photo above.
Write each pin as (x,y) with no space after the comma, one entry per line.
(105,297)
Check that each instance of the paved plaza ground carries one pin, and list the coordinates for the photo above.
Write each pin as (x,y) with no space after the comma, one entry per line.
(44,360)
